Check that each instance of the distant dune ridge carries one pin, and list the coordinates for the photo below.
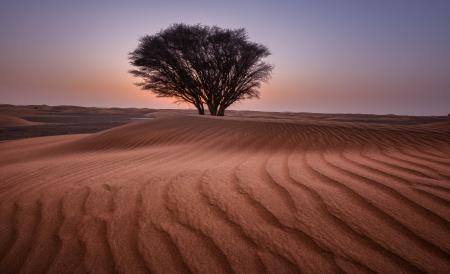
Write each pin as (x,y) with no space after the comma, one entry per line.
(12,121)
(17,122)
(251,193)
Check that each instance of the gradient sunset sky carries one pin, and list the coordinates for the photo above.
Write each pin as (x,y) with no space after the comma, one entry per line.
(330,56)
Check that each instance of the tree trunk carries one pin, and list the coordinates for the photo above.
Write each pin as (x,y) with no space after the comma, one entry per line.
(200,109)
(221,110)
(212,109)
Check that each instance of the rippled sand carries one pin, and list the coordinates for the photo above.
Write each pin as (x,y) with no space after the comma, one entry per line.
(182,193)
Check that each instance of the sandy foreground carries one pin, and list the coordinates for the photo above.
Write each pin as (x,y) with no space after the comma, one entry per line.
(188,194)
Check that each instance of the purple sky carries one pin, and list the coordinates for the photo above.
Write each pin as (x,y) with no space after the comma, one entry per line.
(345,56)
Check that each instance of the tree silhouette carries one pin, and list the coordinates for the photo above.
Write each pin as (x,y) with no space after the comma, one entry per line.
(201,65)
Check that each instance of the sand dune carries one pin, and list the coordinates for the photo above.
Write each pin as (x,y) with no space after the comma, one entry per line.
(11,121)
(188,194)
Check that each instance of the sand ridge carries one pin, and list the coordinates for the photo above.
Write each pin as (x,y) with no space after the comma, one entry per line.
(12,121)
(188,194)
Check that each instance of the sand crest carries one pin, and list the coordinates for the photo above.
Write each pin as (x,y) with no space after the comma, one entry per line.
(11,121)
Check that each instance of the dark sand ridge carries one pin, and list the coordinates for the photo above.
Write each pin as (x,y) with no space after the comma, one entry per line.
(191,194)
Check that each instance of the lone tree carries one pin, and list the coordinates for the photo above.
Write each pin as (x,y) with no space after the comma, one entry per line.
(201,65)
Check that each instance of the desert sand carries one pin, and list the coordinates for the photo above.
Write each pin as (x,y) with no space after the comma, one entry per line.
(18,122)
(248,193)
(13,121)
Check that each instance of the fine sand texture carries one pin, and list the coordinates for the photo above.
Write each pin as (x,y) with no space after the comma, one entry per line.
(247,193)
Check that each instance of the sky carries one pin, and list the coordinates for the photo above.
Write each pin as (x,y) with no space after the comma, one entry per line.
(381,57)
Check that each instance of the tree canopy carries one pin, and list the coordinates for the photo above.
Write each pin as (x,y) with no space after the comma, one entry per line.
(201,65)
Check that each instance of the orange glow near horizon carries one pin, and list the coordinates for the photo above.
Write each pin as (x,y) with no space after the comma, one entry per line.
(351,58)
